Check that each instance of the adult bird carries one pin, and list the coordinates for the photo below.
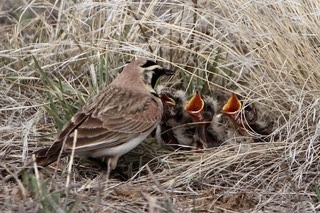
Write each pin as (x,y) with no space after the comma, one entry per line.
(114,121)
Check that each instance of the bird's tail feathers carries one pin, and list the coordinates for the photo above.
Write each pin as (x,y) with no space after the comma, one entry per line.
(48,155)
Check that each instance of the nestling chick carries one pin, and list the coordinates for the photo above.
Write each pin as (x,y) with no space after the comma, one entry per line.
(258,125)
(176,125)
(202,111)
(215,132)
(245,118)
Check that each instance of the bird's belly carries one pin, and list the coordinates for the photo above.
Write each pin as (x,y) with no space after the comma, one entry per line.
(182,138)
(118,150)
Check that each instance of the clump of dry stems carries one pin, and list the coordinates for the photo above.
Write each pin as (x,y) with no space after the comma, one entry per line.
(55,54)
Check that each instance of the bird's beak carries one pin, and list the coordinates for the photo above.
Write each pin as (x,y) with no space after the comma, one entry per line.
(167,100)
(168,72)
(232,109)
(233,105)
(195,107)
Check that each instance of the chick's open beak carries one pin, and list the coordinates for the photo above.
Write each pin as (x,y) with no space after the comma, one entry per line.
(233,105)
(195,107)
(167,100)
(232,109)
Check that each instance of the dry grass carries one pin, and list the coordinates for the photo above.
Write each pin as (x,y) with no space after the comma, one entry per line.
(55,53)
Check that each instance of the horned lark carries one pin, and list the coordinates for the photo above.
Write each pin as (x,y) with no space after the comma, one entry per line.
(176,125)
(114,121)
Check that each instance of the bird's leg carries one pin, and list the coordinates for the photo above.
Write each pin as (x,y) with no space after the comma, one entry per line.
(112,165)
(106,167)
(109,167)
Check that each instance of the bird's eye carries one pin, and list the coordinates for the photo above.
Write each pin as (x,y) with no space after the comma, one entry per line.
(149,63)
(147,76)
(208,107)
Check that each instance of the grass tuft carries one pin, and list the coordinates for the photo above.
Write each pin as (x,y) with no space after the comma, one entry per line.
(54,55)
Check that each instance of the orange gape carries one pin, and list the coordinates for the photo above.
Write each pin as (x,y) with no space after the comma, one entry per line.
(232,109)
(195,107)
(232,106)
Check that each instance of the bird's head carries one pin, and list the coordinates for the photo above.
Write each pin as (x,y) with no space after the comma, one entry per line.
(151,72)
(173,101)
(141,72)
(167,101)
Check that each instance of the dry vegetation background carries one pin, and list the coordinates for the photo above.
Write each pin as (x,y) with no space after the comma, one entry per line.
(53,54)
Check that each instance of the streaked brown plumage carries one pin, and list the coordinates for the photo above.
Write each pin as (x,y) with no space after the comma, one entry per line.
(114,121)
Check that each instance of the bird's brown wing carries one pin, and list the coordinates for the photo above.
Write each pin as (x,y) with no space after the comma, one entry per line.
(113,118)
